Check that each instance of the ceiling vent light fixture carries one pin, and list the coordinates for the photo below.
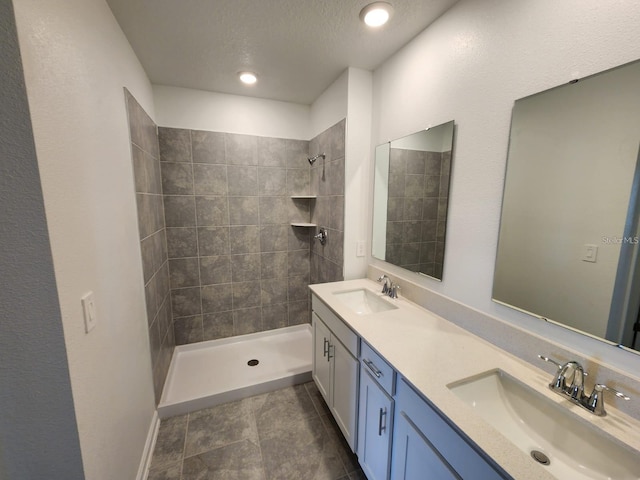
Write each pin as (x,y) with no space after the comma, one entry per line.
(248,78)
(376,14)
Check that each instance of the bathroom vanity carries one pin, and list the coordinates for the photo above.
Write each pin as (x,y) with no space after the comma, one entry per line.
(407,388)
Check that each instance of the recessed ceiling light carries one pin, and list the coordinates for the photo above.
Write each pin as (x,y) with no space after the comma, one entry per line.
(248,77)
(376,14)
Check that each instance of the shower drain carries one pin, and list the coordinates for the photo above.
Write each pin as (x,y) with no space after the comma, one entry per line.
(253,362)
(540,457)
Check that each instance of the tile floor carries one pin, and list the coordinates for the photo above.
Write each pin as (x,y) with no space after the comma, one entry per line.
(282,435)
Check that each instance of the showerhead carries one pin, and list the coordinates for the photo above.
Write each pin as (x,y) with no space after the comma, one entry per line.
(312,160)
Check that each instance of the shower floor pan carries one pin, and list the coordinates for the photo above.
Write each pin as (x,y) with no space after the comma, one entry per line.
(206,374)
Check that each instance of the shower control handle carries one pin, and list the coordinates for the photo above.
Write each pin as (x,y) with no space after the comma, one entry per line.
(321,235)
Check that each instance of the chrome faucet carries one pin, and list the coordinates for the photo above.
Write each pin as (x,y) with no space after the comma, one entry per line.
(574,372)
(388,287)
(386,284)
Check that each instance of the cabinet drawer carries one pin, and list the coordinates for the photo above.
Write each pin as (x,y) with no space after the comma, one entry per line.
(466,460)
(346,336)
(378,367)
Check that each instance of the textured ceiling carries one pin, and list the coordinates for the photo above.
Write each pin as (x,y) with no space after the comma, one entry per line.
(297,47)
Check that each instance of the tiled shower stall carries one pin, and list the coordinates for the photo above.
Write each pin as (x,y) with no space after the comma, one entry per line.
(220,254)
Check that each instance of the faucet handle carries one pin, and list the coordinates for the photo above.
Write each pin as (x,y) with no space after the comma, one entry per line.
(550,360)
(386,283)
(595,402)
(558,383)
(393,291)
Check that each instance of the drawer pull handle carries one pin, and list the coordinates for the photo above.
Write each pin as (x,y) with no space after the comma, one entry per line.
(381,426)
(372,367)
(329,347)
(326,348)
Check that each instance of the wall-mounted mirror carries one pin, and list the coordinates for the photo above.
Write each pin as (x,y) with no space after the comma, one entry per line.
(411,196)
(567,249)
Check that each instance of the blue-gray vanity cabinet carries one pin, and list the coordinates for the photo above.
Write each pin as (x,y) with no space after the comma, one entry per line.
(375,417)
(425,446)
(335,367)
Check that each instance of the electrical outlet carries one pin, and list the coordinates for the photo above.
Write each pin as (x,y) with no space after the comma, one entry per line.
(360,248)
(89,310)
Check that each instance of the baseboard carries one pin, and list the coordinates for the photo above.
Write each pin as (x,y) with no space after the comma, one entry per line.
(147,453)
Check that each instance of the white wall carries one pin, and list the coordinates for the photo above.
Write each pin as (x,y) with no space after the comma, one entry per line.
(358,165)
(331,106)
(220,112)
(470,65)
(76,62)
(38,429)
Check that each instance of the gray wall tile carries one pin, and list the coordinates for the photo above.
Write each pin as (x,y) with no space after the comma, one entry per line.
(243,210)
(273,290)
(184,272)
(188,330)
(298,181)
(298,263)
(182,242)
(185,302)
(217,298)
(244,239)
(274,238)
(177,178)
(273,210)
(247,320)
(272,181)
(245,267)
(299,312)
(213,241)
(210,179)
(298,288)
(217,325)
(212,211)
(241,149)
(154,248)
(243,180)
(246,294)
(180,211)
(215,270)
(272,152)
(207,147)
(274,316)
(175,144)
(249,268)
(274,264)
(297,152)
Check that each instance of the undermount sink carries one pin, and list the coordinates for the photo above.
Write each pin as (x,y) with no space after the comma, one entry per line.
(534,423)
(363,301)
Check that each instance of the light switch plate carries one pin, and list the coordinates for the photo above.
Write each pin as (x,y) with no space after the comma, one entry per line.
(89,310)
(590,253)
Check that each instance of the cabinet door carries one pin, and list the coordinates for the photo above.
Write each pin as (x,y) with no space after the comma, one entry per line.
(374,428)
(414,457)
(345,390)
(321,363)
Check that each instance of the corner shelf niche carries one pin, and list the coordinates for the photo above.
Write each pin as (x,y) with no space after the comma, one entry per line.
(303,224)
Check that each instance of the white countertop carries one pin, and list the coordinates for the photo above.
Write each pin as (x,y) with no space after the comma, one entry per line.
(431,352)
